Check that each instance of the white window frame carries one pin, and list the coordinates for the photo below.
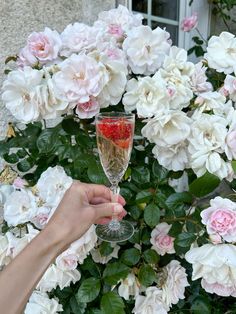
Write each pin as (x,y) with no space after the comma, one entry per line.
(201,7)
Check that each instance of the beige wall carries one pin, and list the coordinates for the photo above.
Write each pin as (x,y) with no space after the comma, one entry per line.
(18,18)
(217,24)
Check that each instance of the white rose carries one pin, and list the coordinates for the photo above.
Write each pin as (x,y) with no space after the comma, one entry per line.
(50,105)
(174,287)
(174,157)
(216,265)
(181,184)
(79,78)
(67,260)
(177,58)
(115,22)
(178,87)
(151,303)
(221,52)
(169,128)
(54,276)
(199,82)
(40,303)
(147,95)
(41,216)
(19,91)
(77,37)
(205,160)
(129,287)
(230,86)
(16,243)
(98,258)
(52,185)
(146,49)
(20,207)
(211,101)
(208,133)
(85,244)
(5,190)
(114,71)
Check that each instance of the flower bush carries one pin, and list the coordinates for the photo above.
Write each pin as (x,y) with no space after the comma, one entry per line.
(182,255)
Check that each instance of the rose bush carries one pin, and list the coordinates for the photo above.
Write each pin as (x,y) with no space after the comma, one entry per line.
(184,148)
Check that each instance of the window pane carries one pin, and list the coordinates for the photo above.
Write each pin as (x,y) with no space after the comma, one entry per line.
(173,30)
(139,5)
(165,8)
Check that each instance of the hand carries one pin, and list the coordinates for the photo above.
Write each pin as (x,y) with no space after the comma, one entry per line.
(83,205)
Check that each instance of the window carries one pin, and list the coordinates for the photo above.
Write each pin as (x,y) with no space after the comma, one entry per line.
(169,14)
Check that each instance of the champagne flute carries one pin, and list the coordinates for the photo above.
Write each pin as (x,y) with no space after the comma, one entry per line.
(114,133)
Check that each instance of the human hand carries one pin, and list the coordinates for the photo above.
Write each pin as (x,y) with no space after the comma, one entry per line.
(83,205)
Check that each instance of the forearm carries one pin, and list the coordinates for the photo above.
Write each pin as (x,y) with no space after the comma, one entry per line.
(20,277)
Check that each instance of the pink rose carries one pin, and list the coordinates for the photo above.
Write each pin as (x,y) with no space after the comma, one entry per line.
(189,23)
(161,241)
(67,260)
(44,46)
(220,218)
(19,183)
(88,109)
(25,58)
(115,29)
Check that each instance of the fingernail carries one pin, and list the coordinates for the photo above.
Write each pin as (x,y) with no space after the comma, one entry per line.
(118,208)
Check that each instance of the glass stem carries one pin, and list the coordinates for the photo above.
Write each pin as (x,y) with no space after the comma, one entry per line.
(114,224)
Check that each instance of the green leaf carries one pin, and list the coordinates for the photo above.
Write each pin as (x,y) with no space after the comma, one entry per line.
(135,211)
(151,256)
(201,305)
(185,239)
(92,267)
(46,141)
(146,275)
(140,175)
(233,164)
(159,172)
(131,256)
(70,126)
(204,185)
(111,303)
(114,272)
(12,158)
(76,306)
(152,215)
(96,174)
(105,248)
(21,153)
(126,193)
(89,290)
(175,229)
(177,199)
(143,197)
(24,165)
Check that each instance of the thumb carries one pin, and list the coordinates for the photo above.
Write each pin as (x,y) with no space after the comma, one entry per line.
(108,209)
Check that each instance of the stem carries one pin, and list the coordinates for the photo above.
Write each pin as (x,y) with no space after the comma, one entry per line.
(181,219)
(114,223)
(197,30)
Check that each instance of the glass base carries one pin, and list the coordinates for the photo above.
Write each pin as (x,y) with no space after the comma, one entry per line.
(105,233)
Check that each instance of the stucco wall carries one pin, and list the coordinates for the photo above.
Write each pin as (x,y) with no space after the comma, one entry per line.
(18,18)
(217,24)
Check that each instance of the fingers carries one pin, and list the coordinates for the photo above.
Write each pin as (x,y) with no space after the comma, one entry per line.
(108,209)
(99,200)
(95,190)
(106,220)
